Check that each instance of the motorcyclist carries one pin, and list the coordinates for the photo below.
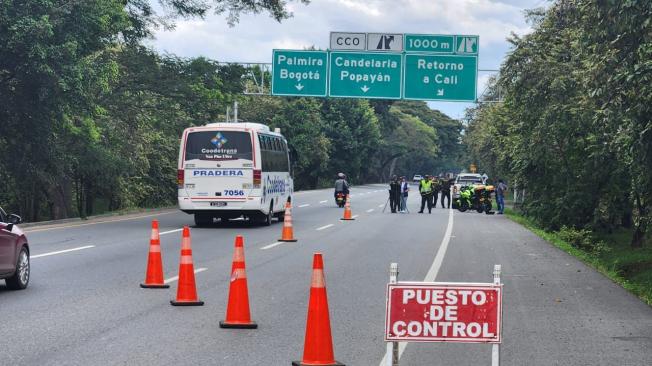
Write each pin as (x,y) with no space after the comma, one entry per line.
(341,185)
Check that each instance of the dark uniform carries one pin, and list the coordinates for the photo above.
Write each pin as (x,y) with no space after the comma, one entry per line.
(394,194)
(446,192)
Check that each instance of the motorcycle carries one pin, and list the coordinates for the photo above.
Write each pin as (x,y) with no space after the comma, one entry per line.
(476,197)
(340,199)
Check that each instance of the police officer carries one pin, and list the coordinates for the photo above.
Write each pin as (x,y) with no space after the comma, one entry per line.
(446,192)
(436,186)
(394,193)
(425,188)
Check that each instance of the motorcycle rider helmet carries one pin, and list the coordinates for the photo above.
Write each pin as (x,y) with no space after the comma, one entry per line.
(340,175)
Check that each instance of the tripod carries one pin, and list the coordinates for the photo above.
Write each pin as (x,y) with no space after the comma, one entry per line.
(406,208)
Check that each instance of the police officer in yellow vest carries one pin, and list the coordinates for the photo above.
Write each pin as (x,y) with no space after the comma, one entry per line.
(426,190)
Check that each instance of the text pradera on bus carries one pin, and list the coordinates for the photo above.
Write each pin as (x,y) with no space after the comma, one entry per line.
(443,312)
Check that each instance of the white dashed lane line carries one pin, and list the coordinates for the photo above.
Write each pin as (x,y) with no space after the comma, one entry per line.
(355,216)
(61,251)
(170,232)
(304,205)
(324,201)
(370,210)
(271,245)
(381,205)
(176,278)
(324,227)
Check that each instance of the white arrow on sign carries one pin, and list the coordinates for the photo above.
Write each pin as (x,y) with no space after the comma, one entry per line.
(440,92)
(365,89)
(299,86)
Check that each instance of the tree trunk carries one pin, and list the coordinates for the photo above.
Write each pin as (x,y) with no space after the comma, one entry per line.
(392,166)
(639,232)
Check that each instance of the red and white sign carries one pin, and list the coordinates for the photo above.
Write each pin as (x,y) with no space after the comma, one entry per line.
(443,312)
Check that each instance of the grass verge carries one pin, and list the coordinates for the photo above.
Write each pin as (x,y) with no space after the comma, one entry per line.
(630,268)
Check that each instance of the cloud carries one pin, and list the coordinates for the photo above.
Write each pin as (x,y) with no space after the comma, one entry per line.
(254,37)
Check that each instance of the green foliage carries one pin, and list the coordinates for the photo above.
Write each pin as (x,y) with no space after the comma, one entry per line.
(574,128)
(583,239)
(90,118)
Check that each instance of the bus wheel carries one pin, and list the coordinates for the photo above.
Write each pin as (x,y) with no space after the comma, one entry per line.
(267,219)
(203,219)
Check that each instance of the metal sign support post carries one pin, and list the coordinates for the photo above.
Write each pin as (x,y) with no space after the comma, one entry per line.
(495,348)
(392,347)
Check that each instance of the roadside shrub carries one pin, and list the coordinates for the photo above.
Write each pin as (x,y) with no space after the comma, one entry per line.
(583,239)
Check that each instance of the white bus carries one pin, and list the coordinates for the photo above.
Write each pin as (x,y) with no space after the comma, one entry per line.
(231,170)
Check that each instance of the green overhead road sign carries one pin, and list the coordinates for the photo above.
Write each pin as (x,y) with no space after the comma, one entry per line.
(429,43)
(440,77)
(299,73)
(365,75)
(467,45)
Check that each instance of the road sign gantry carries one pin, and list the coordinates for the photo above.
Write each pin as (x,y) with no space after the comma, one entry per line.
(394,66)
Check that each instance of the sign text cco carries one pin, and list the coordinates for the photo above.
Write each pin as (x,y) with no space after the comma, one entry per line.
(348,41)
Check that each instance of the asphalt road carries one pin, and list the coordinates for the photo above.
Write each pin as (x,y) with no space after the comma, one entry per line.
(84,305)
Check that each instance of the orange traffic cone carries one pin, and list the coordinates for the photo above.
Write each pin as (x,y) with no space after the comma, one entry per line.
(154,274)
(288,232)
(237,310)
(347,209)
(186,290)
(318,346)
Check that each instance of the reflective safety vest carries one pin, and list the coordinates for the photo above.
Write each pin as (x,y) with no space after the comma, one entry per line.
(425,186)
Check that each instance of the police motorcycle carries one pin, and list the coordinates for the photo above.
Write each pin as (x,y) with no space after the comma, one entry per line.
(475,197)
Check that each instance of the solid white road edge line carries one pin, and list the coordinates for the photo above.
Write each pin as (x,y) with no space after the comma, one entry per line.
(176,278)
(324,227)
(271,245)
(305,205)
(431,275)
(61,251)
(170,232)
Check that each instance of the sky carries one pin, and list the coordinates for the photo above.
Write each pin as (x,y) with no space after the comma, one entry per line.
(255,36)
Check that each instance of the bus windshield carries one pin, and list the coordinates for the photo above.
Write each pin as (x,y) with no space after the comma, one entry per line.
(218,145)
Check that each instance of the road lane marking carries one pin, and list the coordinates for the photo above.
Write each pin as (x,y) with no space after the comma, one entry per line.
(171,231)
(324,201)
(56,226)
(370,210)
(381,205)
(354,216)
(176,278)
(431,275)
(304,205)
(324,227)
(61,251)
(271,245)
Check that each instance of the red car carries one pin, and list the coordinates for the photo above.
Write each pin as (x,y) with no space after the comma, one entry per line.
(14,252)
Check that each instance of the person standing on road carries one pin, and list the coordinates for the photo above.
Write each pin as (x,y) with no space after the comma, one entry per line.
(425,188)
(405,188)
(436,186)
(500,196)
(446,192)
(394,193)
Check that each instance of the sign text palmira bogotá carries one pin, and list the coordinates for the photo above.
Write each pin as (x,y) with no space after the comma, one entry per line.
(365,75)
(443,312)
(299,73)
